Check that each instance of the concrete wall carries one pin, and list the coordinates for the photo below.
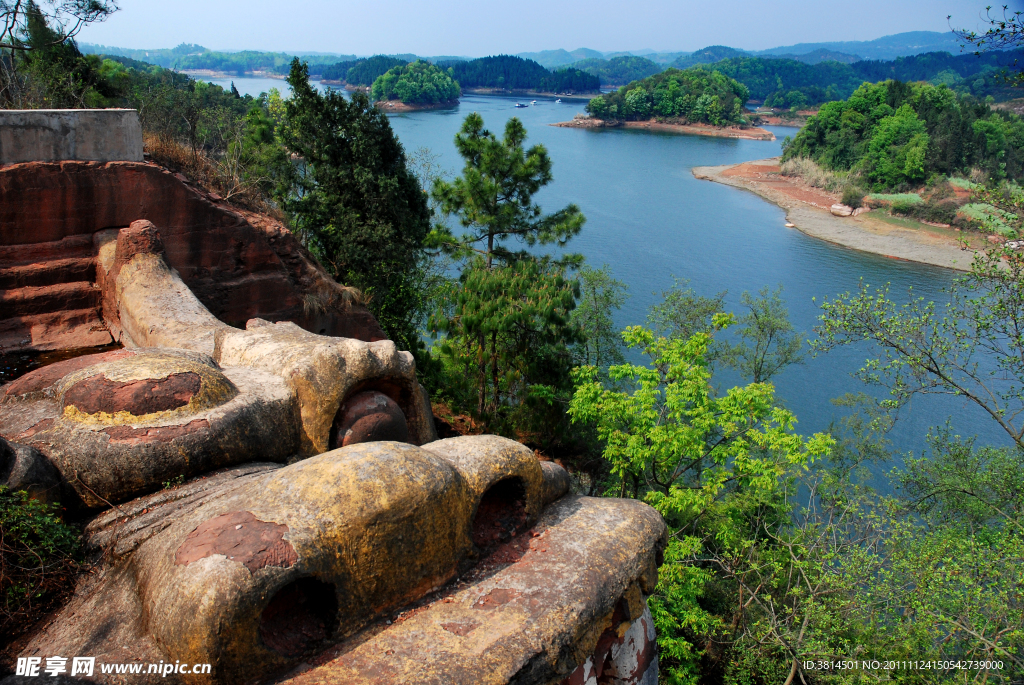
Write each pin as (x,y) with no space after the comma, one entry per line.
(50,135)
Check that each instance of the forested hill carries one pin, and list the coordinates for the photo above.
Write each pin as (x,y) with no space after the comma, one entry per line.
(509,72)
(788,83)
(620,70)
(188,56)
(896,135)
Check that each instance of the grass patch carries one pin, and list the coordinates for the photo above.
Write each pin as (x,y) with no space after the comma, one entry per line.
(991,218)
(896,198)
(817,177)
(963,183)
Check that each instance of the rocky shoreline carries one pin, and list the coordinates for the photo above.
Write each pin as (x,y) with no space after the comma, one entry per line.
(686,129)
(812,216)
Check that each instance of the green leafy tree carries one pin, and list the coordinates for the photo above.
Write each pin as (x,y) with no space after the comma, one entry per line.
(355,202)
(896,153)
(768,342)
(520,349)
(600,296)
(713,466)
(972,347)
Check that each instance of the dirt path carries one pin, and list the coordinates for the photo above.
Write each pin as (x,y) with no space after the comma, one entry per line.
(807,209)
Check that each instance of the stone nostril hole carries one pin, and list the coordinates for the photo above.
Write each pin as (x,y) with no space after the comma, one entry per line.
(299,617)
(501,514)
(368,417)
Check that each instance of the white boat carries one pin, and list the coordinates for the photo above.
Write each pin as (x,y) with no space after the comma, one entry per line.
(533,102)
(558,100)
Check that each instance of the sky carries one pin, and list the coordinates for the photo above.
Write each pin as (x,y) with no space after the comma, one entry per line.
(475,28)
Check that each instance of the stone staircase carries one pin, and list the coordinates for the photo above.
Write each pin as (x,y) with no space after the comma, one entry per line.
(48,296)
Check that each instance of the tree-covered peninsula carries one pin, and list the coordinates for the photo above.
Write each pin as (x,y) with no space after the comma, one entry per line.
(892,135)
(508,72)
(693,95)
(417,83)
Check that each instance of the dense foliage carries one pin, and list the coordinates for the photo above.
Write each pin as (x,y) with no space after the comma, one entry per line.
(501,71)
(786,83)
(619,70)
(365,72)
(896,134)
(38,559)
(354,200)
(694,95)
(417,83)
(507,72)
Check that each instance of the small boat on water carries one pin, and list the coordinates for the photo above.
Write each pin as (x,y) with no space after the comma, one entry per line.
(519,104)
(558,100)
(533,102)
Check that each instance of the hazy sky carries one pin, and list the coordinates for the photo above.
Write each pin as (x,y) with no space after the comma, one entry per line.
(483,27)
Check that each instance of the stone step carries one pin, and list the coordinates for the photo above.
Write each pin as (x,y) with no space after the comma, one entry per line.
(69,329)
(72,247)
(20,302)
(48,273)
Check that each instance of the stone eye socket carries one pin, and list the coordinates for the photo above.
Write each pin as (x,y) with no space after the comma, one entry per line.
(368,416)
(501,514)
(301,616)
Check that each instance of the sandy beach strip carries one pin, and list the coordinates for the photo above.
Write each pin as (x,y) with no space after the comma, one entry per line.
(808,211)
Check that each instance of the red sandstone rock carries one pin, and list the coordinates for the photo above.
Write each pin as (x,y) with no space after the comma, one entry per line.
(240,265)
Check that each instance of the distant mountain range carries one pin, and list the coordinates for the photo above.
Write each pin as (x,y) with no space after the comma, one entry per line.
(847,52)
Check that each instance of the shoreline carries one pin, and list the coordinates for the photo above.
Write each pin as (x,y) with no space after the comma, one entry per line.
(752,133)
(863,232)
(397,106)
(213,73)
(529,93)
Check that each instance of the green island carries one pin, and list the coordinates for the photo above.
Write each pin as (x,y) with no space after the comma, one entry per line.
(694,101)
(418,83)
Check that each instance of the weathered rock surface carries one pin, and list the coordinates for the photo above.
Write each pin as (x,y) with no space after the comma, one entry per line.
(841,210)
(125,425)
(258,569)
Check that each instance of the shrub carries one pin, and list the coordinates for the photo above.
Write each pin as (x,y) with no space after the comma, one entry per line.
(38,559)
(853,197)
(903,208)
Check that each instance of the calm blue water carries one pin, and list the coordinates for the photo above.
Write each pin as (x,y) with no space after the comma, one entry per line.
(650,220)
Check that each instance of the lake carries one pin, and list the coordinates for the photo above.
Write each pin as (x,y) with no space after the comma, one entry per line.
(651,220)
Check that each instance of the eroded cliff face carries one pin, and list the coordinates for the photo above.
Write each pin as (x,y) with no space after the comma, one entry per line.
(239,264)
